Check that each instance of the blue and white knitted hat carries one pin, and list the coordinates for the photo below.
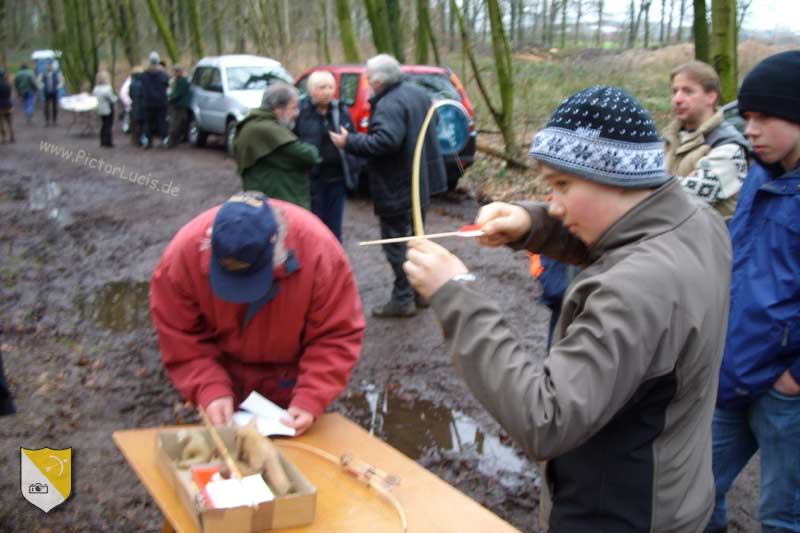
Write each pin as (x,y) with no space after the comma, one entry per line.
(603,134)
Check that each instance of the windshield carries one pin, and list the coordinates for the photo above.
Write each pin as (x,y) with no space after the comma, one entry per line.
(438,85)
(253,78)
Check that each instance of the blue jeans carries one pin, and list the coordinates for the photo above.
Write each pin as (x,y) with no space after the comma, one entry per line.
(29,100)
(327,202)
(771,424)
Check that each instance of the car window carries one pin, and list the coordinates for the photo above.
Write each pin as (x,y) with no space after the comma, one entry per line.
(197,79)
(215,78)
(252,78)
(438,86)
(348,87)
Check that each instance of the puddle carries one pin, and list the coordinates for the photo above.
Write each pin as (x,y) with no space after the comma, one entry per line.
(43,198)
(119,306)
(415,426)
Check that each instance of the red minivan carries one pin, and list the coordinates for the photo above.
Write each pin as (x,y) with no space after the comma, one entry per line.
(440,82)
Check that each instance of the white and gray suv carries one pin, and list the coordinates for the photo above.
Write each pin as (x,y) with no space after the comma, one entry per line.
(224,89)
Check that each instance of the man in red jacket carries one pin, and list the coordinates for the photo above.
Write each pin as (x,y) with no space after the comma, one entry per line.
(257,295)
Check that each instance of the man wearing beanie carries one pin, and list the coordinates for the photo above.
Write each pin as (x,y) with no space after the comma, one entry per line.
(758,406)
(620,409)
(154,101)
(257,295)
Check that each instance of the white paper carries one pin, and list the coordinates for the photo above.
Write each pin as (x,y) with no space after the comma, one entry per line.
(268,416)
(227,493)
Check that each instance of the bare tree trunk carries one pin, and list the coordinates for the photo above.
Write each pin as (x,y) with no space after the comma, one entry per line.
(379,23)
(133,29)
(216,22)
(702,46)
(576,38)
(421,49)
(600,23)
(194,23)
(663,20)
(680,20)
(434,45)
(349,42)
(723,46)
(396,29)
(3,38)
(166,35)
(669,25)
(323,30)
(563,23)
(646,7)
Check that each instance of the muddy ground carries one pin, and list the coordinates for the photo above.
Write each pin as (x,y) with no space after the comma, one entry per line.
(77,247)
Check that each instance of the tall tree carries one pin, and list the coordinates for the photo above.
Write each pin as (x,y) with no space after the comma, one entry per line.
(578,17)
(723,46)
(396,28)
(669,24)
(600,24)
(422,40)
(216,24)
(702,44)
(349,42)
(379,24)
(680,20)
(563,23)
(646,7)
(3,38)
(194,24)
(663,20)
(163,30)
(323,31)
(503,68)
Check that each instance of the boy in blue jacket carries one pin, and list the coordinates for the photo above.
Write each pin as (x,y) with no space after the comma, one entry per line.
(758,403)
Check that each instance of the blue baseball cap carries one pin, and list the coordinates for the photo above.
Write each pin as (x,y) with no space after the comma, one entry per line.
(243,241)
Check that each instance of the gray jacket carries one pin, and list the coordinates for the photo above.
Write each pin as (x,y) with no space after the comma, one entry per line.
(621,407)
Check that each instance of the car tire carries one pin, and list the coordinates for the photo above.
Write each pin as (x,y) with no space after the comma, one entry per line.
(195,135)
(230,135)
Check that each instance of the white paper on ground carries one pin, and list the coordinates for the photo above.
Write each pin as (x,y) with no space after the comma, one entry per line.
(226,493)
(268,416)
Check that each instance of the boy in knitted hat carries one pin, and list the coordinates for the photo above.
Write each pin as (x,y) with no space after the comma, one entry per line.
(621,406)
(758,406)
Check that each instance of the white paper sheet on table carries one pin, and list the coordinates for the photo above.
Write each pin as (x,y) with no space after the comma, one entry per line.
(267,414)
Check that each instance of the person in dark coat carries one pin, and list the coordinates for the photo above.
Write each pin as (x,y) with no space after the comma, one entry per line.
(137,114)
(180,100)
(25,83)
(319,114)
(6,114)
(50,83)
(154,100)
(398,111)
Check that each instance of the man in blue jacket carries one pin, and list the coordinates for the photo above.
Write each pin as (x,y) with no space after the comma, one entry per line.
(758,404)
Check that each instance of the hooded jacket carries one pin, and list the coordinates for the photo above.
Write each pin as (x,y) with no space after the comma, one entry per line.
(764,327)
(298,349)
(621,407)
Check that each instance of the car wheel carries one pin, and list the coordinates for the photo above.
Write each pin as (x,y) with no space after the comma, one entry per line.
(230,135)
(196,136)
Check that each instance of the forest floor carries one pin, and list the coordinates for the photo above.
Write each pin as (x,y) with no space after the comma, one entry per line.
(78,247)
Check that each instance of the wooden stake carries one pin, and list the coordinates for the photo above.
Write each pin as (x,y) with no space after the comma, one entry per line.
(223,450)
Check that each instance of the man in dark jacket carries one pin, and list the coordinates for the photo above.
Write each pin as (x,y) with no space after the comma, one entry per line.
(50,83)
(398,111)
(6,107)
(180,99)
(25,83)
(154,100)
(269,157)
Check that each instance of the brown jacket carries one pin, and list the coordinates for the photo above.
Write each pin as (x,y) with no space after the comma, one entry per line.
(621,407)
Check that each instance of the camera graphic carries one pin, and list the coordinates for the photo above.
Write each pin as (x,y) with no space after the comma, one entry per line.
(37,488)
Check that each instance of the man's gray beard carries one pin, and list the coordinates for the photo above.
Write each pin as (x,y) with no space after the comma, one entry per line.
(288,123)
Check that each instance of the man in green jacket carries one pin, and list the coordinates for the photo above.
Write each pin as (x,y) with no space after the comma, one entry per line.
(269,157)
(180,99)
(25,84)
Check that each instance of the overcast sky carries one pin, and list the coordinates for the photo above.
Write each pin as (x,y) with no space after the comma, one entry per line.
(762,15)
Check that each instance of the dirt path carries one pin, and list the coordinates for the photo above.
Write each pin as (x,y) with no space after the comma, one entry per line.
(78,246)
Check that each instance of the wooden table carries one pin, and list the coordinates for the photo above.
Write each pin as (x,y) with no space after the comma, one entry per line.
(343,503)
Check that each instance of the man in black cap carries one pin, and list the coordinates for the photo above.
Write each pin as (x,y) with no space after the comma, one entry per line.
(758,405)
(623,401)
(257,295)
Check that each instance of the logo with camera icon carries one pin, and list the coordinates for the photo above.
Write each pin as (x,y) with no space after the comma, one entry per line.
(45,476)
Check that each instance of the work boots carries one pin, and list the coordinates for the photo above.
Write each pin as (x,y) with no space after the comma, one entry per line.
(394,309)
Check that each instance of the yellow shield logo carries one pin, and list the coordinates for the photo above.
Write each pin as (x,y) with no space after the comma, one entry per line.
(45,476)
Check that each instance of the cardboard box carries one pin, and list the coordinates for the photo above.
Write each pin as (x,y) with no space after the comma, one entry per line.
(296,509)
